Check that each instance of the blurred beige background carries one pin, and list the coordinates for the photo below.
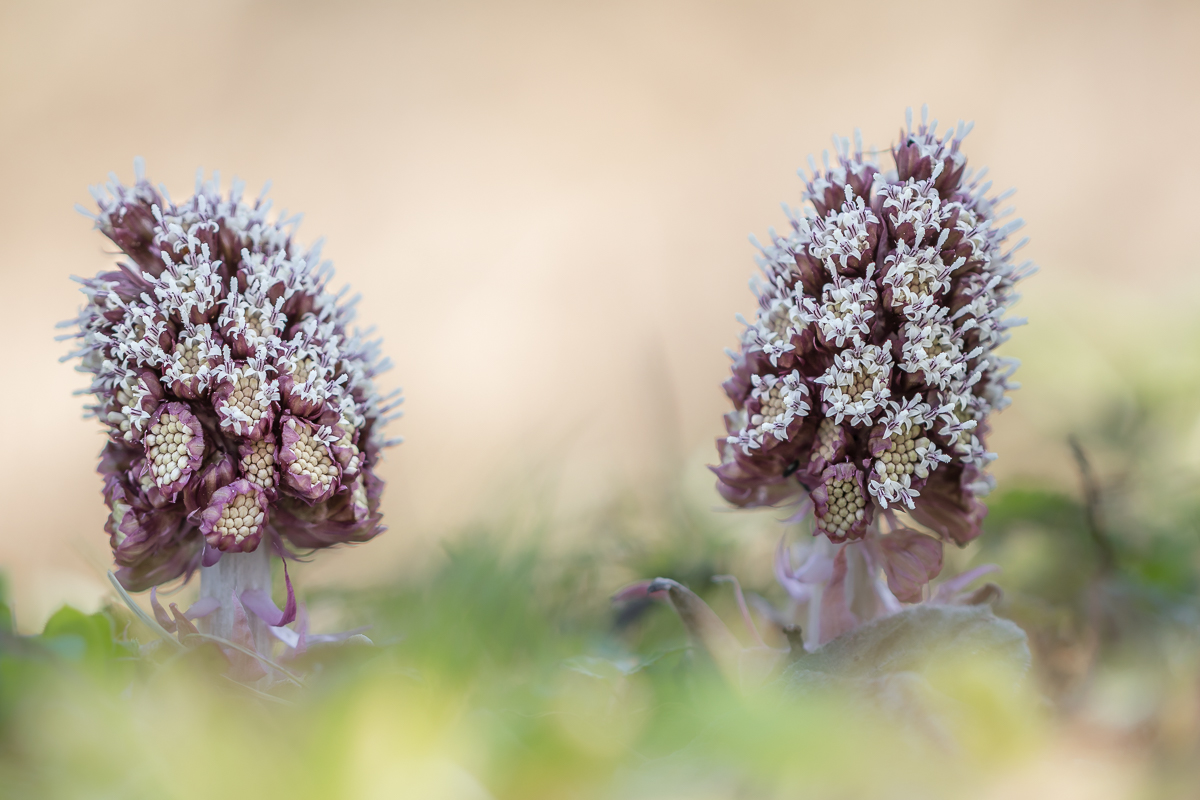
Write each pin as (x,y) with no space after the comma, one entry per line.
(546,207)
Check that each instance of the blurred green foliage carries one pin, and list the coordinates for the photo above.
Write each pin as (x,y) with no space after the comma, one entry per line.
(505,672)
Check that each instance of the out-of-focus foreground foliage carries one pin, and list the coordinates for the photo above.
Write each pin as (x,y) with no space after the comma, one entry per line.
(505,672)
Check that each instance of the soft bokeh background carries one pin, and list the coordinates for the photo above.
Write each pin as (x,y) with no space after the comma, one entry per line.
(545,206)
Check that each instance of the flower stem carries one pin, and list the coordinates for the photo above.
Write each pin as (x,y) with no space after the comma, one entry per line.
(232,575)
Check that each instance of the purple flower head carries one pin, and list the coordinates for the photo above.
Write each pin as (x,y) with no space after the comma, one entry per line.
(220,470)
(136,526)
(235,518)
(840,504)
(258,464)
(352,516)
(232,383)
(195,355)
(148,532)
(867,378)
(244,397)
(306,457)
(174,442)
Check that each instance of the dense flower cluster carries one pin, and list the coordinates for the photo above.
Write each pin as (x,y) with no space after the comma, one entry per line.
(240,403)
(866,380)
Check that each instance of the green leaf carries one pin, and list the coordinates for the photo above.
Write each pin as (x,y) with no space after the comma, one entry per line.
(915,638)
(66,645)
(950,674)
(95,631)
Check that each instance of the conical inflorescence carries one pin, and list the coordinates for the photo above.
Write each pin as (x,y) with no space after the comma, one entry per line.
(866,380)
(241,403)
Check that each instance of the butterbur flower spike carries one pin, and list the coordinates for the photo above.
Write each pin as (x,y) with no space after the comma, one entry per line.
(881,309)
(241,404)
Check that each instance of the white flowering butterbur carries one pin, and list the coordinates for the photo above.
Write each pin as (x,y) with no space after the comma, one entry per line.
(245,395)
(856,385)
(915,280)
(776,401)
(191,361)
(885,302)
(904,455)
(241,404)
(840,503)
(846,309)
(847,237)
